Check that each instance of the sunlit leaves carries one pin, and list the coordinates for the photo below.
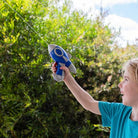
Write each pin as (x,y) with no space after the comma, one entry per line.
(32,104)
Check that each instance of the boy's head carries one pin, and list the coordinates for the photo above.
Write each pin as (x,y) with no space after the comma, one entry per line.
(132,67)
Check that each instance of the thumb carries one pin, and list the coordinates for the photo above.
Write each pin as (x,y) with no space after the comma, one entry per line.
(64,68)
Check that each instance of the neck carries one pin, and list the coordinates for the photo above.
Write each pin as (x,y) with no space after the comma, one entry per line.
(134,114)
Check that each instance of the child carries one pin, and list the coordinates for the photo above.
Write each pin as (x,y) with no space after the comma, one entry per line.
(121,117)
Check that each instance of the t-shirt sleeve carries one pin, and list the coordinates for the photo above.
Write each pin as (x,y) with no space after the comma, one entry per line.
(108,111)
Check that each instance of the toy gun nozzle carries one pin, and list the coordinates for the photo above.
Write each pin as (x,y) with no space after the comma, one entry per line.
(51,47)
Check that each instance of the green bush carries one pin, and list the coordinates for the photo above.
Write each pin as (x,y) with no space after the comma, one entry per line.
(32,104)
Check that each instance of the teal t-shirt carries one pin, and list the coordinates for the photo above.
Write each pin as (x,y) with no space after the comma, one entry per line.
(117,116)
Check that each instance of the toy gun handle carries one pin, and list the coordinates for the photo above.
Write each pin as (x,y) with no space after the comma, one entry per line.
(59,75)
(59,71)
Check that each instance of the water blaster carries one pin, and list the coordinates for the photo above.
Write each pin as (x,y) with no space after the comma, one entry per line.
(60,56)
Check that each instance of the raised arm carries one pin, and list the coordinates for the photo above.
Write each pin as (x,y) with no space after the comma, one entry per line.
(83,97)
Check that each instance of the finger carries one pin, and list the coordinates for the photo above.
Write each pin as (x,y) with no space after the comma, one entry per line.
(64,68)
(54,68)
(55,64)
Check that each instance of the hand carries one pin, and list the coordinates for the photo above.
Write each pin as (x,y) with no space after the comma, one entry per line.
(64,68)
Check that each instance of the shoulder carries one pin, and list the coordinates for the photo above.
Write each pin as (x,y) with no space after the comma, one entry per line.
(110,105)
(113,107)
(112,112)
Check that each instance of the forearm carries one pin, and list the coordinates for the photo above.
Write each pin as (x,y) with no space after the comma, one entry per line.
(80,94)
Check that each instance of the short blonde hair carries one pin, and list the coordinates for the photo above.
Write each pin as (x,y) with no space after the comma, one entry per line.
(132,67)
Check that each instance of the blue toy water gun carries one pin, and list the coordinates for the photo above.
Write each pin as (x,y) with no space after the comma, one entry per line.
(60,56)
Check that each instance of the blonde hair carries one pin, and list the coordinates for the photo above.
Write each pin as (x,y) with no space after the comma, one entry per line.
(132,67)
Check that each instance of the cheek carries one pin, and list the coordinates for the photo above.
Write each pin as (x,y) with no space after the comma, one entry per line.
(127,89)
(131,90)
(134,91)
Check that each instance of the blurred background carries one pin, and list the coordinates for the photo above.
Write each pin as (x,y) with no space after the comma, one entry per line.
(32,104)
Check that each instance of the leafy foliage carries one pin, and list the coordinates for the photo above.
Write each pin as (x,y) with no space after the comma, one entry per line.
(32,104)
